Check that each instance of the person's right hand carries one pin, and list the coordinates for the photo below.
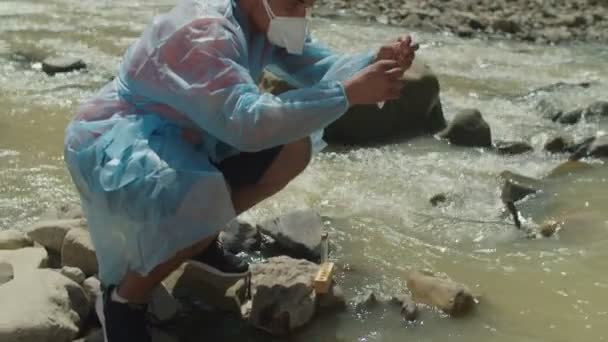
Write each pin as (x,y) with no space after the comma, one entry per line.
(379,82)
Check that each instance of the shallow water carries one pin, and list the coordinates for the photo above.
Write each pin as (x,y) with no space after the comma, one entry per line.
(375,199)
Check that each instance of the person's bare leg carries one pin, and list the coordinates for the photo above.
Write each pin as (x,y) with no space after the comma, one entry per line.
(288,164)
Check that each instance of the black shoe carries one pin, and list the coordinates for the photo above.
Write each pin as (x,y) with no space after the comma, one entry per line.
(215,259)
(122,322)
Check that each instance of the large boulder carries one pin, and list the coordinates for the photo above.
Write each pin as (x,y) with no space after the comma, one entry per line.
(298,234)
(468,129)
(74,274)
(282,295)
(14,239)
(417,112)
(41,306)
(78,251)
(283,298)
(25,260)
(50,233)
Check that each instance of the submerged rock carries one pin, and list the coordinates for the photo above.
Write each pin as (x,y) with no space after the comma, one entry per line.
(55,65)
(6,272)
(14,239)
(450,297)
(599,147)
(512,147)
(298,233)
(41,306)
(468,129)
(438,199)
(548,229)
(78,251)
(568,168)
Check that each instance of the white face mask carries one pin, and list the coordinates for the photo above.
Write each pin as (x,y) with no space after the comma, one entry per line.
(287,32)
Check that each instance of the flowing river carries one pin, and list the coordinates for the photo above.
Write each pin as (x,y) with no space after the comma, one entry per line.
(376,200)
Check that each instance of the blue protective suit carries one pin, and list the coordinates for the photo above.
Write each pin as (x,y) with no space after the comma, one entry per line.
(146,191)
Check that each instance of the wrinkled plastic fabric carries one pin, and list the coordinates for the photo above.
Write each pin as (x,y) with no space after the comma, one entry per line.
(147,193)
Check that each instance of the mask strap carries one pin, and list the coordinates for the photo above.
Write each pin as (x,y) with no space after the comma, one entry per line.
(268,10)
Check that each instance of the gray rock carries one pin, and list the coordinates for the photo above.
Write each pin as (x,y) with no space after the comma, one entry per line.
(569,167)
(50,233)
(41,306)
(55,65)
(163,306)
(191,283)
(14,239)
(298,233)
(239,236)
(157,336)
(25,260)
(78,251)
(282,295)
(468,129)
(73,273)
(512,147)
(6,272)
(452,298)
(516,187)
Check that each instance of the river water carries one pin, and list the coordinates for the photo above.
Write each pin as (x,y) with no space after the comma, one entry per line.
(375,199)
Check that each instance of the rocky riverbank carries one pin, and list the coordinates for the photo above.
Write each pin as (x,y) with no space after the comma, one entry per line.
(541,21)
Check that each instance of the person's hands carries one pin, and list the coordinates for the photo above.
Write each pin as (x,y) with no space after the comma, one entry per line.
(402,50)
(378,82)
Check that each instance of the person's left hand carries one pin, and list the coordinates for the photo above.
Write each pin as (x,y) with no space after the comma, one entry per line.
(402,51)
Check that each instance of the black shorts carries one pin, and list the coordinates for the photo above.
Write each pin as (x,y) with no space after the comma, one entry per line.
(247,168)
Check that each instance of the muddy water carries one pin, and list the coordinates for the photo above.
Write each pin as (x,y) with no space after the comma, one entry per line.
(376,199)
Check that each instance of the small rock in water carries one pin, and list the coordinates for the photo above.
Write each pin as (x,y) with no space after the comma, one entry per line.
(599,147)
(512,147)
(55,65)
(452,298)
(571,117)
(438,199)
(6,272)
(468,129)
(548,229)
(557,145)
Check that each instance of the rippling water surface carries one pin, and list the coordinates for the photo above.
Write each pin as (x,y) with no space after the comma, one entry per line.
(376,199)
